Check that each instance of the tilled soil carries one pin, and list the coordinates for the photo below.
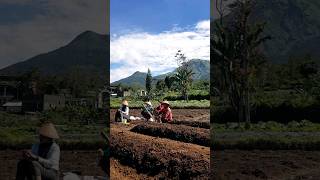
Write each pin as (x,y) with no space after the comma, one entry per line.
(158,157)
(257,164)
(201,115)
(182,133)
(119,171)
(80,161)
(199,124)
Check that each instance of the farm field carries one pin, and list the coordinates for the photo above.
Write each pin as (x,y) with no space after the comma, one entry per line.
(201,115)
(77,160)
(178,104)
(152,150)
(78,142)
(265,164)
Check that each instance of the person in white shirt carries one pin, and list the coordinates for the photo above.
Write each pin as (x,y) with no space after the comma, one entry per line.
(122,112)
(42,162)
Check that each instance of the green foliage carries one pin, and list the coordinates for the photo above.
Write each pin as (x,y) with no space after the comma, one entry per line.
(184,74)
(148,83)
(236,56)
(268,143)
(20,131)
(81,114)
(269,126)
(266,136)
(134,103)
(169,81)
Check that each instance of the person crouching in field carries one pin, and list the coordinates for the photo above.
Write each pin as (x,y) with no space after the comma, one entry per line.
(42,162)
(164,112)
(147,111)
(122,112)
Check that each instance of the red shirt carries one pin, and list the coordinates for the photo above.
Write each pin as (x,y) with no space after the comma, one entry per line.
(166,114)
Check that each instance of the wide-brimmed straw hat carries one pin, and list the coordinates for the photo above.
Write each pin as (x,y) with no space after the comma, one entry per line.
(165,102)
(48,130)
(125,102)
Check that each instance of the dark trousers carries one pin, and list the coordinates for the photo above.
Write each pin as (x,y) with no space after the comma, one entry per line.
(118,116)
(28,169)
(145,115)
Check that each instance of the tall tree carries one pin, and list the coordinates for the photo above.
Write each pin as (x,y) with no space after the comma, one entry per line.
(169,80)
(184,74)
(149,83)
(235,52)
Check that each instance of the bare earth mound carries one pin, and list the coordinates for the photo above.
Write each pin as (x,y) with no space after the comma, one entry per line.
(122,172)
(199,124)
(182,133)
(160,158)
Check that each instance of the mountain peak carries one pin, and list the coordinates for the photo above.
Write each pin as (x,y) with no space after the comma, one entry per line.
(85,36)
(201,68)
(138,72)
(88,49)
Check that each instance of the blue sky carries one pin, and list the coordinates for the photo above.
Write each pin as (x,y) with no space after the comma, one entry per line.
(147,33)
(155,16)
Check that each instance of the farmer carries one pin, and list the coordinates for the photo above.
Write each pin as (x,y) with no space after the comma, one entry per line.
(147,111)
(122,112)
(164,112)
(42,162)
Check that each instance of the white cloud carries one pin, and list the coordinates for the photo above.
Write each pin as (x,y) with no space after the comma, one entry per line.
(140,51)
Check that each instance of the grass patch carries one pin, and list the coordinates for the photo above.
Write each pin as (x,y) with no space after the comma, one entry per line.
(270,126)
(20,132)
(303,135)
(268,143)
(180,104)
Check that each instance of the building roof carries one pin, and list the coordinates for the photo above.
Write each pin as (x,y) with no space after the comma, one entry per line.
(11,104)
(9,83)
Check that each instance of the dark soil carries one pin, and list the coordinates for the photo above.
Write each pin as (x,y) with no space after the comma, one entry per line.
(122,172)
(182,133)
(81,161)
(257,164)
(202,115)
(198,124)
(159,158)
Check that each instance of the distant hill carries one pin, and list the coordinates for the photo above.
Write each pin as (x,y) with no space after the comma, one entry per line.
(137,78)
(88,51)
(294,26)
(201,68)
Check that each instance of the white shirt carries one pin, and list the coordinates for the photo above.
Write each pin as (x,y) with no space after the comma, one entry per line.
(53,156)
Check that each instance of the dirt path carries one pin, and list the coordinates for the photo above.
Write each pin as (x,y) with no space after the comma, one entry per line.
(235,164)
(83,161)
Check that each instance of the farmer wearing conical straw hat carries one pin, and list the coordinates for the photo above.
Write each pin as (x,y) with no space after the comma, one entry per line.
(164,112)
(123,112)
(42,162)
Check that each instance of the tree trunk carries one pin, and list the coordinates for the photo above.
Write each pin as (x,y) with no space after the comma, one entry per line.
(247,107)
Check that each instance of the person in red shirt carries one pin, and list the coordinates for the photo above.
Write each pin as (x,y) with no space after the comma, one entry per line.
(164,112)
